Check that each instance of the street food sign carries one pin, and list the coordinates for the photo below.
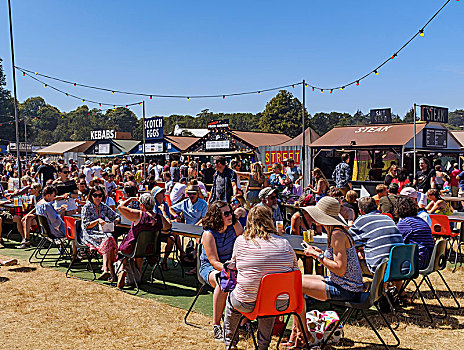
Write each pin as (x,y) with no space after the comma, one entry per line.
(102,134)
(153,128)
(218,124)
(271,157)
(434,114)
(381,116)
(435,138)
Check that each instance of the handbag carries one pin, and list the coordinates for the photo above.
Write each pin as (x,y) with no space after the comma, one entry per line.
(320,325)
(228,277)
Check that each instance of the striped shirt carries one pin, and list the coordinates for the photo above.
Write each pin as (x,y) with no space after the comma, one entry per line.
(377,233)
(416,231)
(257,258)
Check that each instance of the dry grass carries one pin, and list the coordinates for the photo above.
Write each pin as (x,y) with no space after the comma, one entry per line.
(41,309)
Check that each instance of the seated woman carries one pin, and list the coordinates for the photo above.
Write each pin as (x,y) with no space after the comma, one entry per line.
(345,212)
(220,231)
(414,229)
(321,184)
(142,220)
(437,205)
(28,220)
(240,212)
(258,252)
(162,208)
(94,215)
(340,258)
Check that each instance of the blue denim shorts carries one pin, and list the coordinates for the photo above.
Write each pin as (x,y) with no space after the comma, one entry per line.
(335,292)
(205,270)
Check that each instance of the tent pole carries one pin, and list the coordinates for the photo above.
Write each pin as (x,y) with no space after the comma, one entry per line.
(414,158)
(304,141)
(143,146)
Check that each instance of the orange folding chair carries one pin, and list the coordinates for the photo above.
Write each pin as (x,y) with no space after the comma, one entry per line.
(441,227)
(167,199)
(272,286)
(389,215)
(69,227)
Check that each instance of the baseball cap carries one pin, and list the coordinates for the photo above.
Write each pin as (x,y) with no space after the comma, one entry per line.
(409,191)
(266,192)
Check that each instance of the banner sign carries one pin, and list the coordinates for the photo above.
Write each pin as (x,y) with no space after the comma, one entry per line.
(152,147)
(23,147)
(218,124)
(435,138)
(381,116)
(102,134)
(271,157)
(103,148)
(434,114)
(154,128)
(221,144)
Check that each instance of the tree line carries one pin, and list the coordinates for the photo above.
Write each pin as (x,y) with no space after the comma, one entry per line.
(46,124)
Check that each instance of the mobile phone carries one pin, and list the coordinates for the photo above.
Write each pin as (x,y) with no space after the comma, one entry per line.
(304,245)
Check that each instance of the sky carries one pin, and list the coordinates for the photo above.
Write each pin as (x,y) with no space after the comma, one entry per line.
(214,47)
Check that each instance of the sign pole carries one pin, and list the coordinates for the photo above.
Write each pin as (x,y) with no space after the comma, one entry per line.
(414,157)
(304,140)
(15,95)
(25,137)
(143,146)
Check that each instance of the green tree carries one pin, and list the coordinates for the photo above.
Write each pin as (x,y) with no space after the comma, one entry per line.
(282,115)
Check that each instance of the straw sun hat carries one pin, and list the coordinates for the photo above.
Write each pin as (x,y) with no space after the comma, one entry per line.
(326,212)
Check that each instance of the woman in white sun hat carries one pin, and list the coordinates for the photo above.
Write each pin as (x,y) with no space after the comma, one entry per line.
(340,258)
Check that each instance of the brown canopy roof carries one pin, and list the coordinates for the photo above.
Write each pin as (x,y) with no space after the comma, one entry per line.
(257,139)
(182,142)
(379,136)
(310,137)
(66,146)
(459,135)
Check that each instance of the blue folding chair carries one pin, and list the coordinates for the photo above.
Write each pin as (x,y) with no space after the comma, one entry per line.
(403,265)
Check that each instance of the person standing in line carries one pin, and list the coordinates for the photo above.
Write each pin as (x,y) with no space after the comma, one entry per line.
(88,172)
(425,177)
(293,172)
(224,182)
(97,169)
(342,174)
(454,182)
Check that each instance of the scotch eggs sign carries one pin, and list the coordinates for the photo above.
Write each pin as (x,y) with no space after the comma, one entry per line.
(102,134)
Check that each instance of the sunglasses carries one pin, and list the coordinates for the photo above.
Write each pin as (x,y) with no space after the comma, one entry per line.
(227,213)
(97,195)
(235,202)
(82,184)
(272,197)
(65,172)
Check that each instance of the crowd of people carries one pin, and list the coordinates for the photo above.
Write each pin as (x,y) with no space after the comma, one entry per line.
(239,211)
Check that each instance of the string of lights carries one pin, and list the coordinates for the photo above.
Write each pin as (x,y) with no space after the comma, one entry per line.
(32,74)
(25,73)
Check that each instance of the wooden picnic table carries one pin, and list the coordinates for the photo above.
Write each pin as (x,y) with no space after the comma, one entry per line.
(456,217)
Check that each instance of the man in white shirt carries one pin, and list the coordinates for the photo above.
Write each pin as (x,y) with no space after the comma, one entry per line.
(88,172)
(178,191)
(97,169)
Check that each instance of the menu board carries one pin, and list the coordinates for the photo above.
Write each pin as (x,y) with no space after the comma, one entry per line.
(435,138)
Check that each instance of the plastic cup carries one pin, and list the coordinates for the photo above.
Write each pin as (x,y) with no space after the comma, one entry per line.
(16,202)
(280,226)
(146,187)
(306,236)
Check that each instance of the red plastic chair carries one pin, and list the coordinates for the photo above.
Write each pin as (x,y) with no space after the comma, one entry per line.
(161,184)
(441,227)
(69,227)
(167,199)
(389,215)
(271,287)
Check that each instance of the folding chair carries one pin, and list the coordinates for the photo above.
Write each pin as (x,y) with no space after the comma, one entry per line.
(146,246)
(47,242)
(73,230)
(403,265)
(460,242)
(437,263)
(271,287)
(202,283)
(367,300)
(119,196)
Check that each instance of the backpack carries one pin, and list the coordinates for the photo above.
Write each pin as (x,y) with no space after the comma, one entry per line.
(320,325)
